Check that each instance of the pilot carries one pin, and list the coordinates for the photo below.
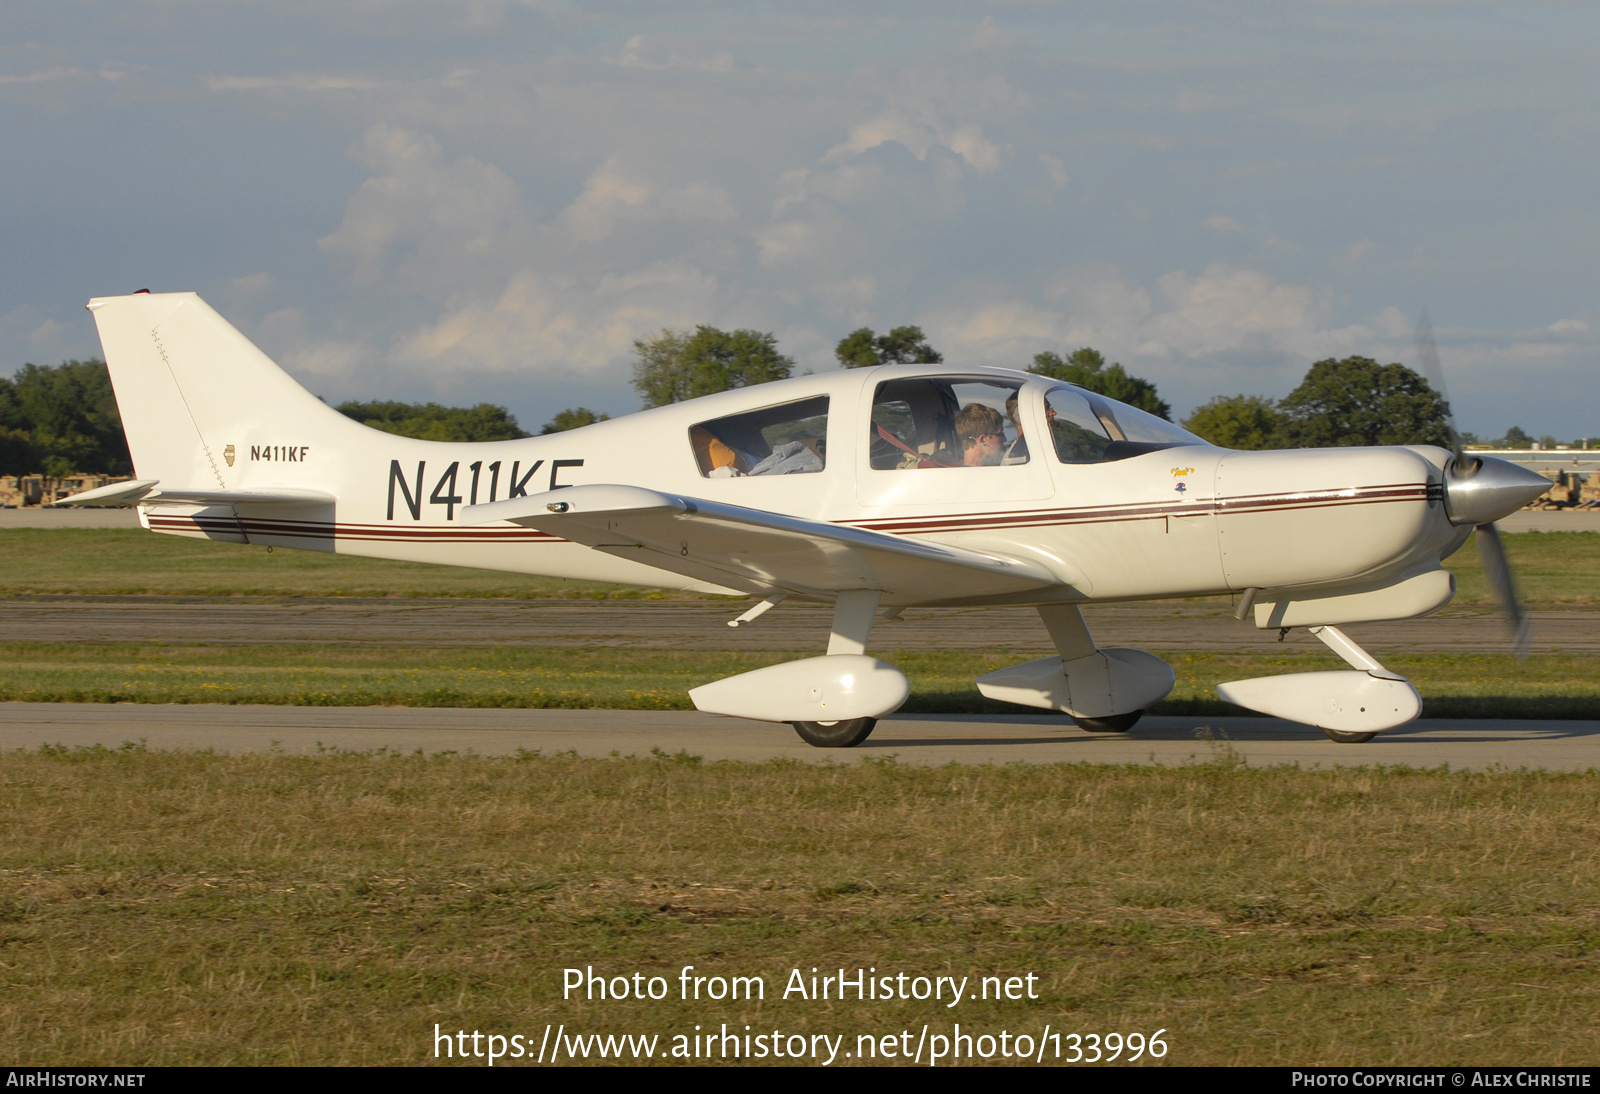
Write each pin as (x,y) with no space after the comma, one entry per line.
(982,433)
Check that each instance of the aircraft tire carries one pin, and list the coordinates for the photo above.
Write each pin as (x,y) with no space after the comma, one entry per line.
(845,734)
(1345,737)
(1117,723)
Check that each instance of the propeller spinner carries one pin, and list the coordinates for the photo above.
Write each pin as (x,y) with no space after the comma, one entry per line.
(1479,490)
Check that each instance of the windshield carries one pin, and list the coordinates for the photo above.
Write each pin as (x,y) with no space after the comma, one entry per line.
(1088,428)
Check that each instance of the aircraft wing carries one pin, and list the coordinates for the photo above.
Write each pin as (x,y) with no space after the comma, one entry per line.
(757,551)
(148,492)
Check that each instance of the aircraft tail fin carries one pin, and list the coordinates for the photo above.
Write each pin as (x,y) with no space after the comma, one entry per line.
(194,394)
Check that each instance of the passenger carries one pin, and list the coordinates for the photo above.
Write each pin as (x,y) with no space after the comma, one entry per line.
(982,433)
(1018,451)
(716,459)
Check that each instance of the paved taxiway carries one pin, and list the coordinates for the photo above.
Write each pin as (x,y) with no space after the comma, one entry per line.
(910,739)
(1167,625)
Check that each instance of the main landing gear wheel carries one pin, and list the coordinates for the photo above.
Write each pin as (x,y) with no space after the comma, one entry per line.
(1117,723)
(1346,738)
(845,734)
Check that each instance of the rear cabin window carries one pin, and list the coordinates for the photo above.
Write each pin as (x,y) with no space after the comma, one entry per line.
(788,439)
(934,422)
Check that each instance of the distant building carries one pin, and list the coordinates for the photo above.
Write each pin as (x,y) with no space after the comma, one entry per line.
(22,491)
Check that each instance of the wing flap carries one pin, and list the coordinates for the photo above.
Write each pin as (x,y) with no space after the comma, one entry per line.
(756,550)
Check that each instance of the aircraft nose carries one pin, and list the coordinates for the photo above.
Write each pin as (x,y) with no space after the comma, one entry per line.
(1490,490)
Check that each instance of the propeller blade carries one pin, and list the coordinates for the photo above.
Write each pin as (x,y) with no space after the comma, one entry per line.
(1462,470)
(1493,553)
(1428,355)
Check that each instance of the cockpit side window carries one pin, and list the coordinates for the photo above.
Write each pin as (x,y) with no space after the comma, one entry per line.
(788,439)
(933,422)
(1089,429)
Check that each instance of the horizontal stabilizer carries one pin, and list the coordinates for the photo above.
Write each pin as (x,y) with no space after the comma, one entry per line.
(282,496)
(115,495)
(147,492)
(755,550)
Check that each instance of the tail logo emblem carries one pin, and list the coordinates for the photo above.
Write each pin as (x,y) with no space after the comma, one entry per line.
(227,454)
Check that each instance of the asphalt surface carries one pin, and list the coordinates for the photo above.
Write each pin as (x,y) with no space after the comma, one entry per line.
(1475,745)
(1184,625)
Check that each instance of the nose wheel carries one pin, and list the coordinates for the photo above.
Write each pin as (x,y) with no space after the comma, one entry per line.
(843,734)
(1117,723)
(1345,737)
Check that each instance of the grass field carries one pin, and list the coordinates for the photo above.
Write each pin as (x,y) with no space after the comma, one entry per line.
(133,562)
(1554,568)
(1461,685)
(189,908)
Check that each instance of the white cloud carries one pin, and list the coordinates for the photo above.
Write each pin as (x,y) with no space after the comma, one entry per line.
(612,196)
(1358,251)
(920,135)
(28,335)
(1056,169)
(988,36)
(1570,328)
(440,225)
(299,82)
(1229,304)
(608,195)
(672,52)
(546,326)
(1223,329)
(1393,323)
(1223,223)
(45,76)
(846,215)
(47,335)
(252,286)
(288,336)
(1193,101)
(518,295)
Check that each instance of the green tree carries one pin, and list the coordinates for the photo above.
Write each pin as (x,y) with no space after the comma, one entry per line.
(573,418)
(433,422)
(676,365)
(16,448)
(901,346)
(1237,421)
(1087,368)
(1356,401)
(62,419)
(1516,438)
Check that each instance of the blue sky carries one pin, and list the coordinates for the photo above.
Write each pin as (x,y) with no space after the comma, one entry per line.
(491,200)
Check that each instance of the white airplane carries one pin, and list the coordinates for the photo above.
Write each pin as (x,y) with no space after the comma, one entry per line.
(876,490)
